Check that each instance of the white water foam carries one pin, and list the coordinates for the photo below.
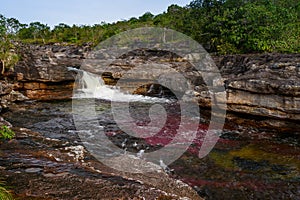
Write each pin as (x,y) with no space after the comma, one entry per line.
(92,86)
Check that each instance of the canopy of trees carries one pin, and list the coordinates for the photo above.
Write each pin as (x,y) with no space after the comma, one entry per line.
(222,26)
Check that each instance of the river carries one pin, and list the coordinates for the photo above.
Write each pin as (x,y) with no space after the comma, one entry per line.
(246,162)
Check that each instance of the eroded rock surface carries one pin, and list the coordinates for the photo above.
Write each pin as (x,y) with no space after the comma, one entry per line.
(46,168)
(42,72)
(265,85)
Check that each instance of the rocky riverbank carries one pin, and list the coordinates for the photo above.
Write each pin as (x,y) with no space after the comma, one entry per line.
(46,160)
(42,73)
(263,96)
(264,87)
(43,167)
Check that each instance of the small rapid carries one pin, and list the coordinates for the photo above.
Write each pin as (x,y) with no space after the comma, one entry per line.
(90,85)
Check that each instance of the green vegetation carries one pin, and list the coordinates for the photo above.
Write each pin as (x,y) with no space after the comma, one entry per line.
(4,193)
(8,29)
(6,133)
(222,26)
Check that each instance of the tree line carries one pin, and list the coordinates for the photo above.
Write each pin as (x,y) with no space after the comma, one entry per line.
(221,26)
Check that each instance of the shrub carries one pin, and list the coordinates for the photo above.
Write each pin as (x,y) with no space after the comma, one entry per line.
(6,133)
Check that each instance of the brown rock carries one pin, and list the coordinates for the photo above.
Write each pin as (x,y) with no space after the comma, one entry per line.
(37,170)
(266,85)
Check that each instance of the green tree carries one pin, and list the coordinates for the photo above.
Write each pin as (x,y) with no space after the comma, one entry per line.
(8,58)
(148,16)
(222,26)
(62,32)
(34,31)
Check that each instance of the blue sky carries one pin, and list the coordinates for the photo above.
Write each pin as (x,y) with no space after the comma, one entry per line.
(53,12)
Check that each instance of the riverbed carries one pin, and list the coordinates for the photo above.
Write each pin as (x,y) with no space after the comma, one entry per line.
(246,162)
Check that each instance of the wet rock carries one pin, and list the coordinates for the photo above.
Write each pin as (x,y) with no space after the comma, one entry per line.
(3,122)
(33,172)
(245,163)
(263,85)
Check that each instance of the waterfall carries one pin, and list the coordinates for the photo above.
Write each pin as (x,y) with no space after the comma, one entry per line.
(92,86)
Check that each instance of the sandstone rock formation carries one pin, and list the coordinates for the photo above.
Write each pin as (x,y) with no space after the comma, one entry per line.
(265,85)
(42,72)
(261,90)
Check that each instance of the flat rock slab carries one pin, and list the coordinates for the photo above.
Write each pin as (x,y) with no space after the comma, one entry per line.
(43,168)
